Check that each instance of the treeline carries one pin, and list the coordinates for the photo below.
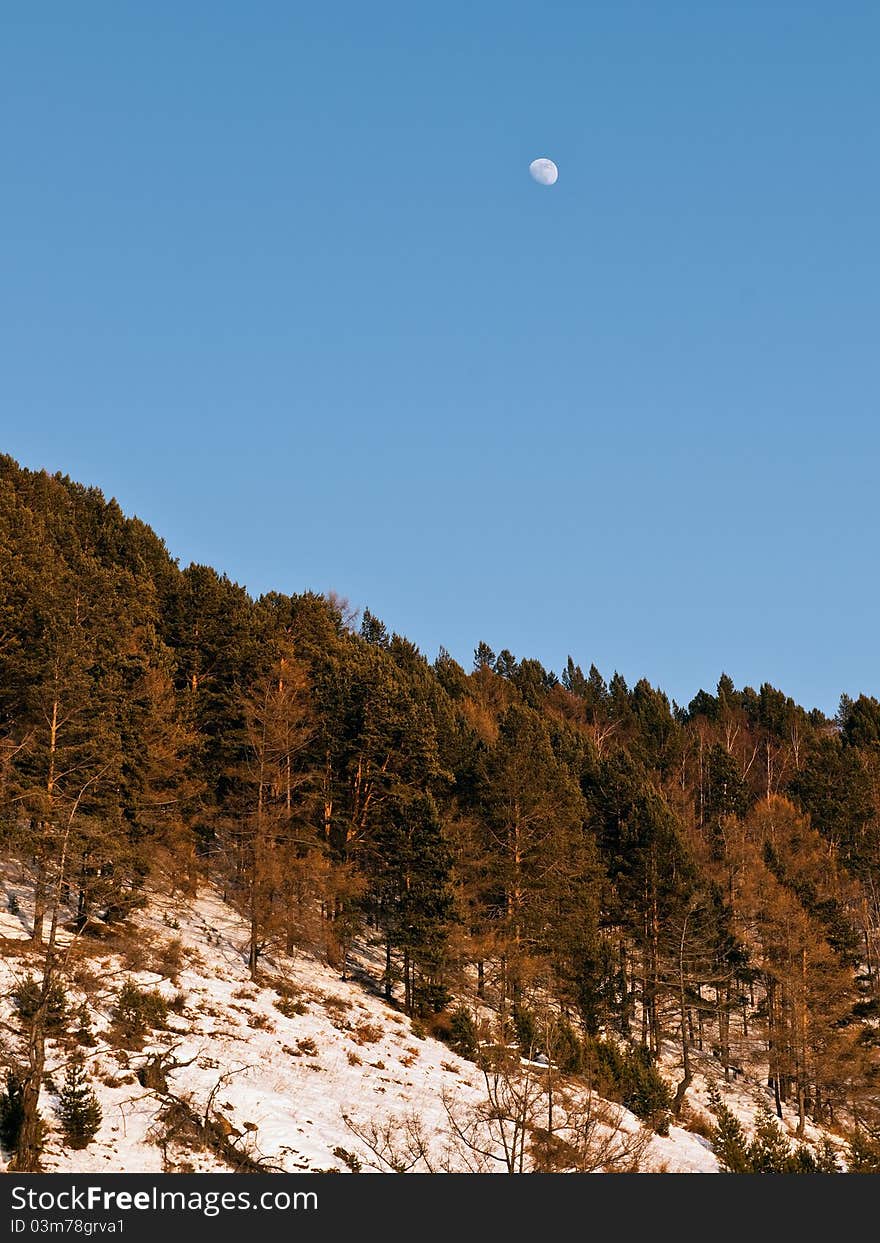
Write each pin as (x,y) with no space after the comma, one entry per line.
(705,874)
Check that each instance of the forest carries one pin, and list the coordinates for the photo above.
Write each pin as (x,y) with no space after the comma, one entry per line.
(544,843)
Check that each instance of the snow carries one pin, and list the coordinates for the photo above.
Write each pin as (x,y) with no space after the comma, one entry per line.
(283,1082)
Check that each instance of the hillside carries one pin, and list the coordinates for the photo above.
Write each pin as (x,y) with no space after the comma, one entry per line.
(279,1085)
(558,867)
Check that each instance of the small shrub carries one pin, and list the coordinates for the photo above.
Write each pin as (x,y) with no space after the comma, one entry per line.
(290,1007)
(86,979)
(137,954)
(139,1011)
(696,1123)
(307,1046)
(367,1033)
(440,1026)
(170,959)
(332,1002)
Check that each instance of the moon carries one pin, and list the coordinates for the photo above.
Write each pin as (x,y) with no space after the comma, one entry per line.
(544,171)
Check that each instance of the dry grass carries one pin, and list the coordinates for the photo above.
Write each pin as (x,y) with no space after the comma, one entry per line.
(696,1123)
(290,1007)
(367,1033)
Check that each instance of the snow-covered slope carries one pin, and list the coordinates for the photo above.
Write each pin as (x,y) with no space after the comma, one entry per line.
(279,1082)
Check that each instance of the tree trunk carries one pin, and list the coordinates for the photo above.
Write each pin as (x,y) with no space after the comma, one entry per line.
(39,904)
(687,1074)
(26,1158)
(722,1000)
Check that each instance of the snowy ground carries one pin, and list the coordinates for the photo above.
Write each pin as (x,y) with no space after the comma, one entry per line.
(283,1082)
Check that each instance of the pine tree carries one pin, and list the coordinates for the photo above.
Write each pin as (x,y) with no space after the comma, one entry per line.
(864,1154)
(819,1160)
(408,862)
(11,1112)
(374,630)
(78,1107)
(484,657)
(769,1151)
(83,1032)
(533,815)
(729,1138)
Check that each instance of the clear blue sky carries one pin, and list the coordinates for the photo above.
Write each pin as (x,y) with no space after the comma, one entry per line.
(276,277)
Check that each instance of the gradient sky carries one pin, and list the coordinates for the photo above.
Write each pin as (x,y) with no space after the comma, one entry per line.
(276,277)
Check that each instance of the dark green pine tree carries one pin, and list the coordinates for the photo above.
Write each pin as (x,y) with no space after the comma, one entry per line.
(573,678)
(505,665)
(595,691)
(835,787)
(864,1154)
(725,792)
(729,1138)
(541,873)
(373,630)
(409,864)
(769,1151)
(78,1107)
(210,626)
(12,1113)
(484,657)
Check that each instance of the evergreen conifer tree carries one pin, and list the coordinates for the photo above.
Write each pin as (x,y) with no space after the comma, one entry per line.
(79,1109)
(729,1138)
(769,1151)
(11,1112)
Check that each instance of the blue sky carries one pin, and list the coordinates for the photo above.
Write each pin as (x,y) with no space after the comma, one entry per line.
(276,277)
